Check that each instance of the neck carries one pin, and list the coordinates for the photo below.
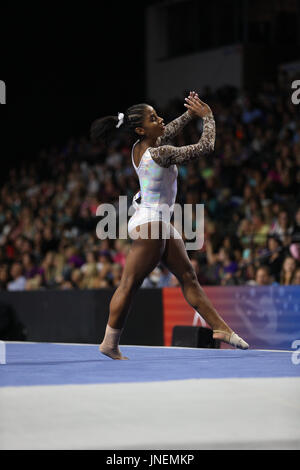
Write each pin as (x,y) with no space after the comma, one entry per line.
(149,141)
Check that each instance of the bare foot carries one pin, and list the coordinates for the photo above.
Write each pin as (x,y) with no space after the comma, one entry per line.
(112,353)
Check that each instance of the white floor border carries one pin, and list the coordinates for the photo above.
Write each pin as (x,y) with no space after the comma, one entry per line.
(182,414)
(140,346)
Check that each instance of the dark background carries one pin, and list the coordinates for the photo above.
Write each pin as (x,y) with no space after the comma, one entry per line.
(63,69)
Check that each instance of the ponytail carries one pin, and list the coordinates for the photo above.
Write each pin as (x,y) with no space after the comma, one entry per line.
(105,129)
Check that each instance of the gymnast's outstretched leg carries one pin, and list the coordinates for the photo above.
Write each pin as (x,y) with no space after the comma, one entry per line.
(142,258)
(177,261)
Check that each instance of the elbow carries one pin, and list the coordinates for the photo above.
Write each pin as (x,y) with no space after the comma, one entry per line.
(212,145)
(209,148)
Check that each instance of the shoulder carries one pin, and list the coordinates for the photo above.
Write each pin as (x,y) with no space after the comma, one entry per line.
(159,156)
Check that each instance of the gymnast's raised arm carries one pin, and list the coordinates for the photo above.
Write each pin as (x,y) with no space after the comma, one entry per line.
(172,129)
(166,155)
(175,126)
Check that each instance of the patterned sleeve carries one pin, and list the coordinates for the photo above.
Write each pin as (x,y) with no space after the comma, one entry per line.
(167,155)
(172,129)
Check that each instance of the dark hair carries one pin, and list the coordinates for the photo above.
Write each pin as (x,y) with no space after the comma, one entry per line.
(104,129)
(265,267)
(275,237)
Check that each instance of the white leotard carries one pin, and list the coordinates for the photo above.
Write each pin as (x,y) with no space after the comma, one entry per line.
(158,187)
(157,172)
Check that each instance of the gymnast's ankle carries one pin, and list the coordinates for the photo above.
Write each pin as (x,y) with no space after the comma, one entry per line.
(110,343)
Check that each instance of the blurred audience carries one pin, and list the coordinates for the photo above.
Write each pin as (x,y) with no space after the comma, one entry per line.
(250,186)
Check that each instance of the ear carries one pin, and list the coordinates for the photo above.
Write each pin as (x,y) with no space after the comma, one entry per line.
(140,131)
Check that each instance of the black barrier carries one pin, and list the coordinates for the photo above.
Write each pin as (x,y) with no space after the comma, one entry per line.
(81,316)
(194,337)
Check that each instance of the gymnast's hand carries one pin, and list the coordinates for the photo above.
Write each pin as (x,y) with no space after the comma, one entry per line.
(196,107)
(190,111)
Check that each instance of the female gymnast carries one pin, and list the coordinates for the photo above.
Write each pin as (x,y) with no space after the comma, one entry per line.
(155,164)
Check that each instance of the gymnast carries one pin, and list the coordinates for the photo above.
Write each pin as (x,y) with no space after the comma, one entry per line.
(155,161)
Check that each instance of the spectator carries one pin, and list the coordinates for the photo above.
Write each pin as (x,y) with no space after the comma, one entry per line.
(227,266)
(165,276)
(76,280)
(296,228)
(49,268)
(153,278)
(116,271)
(296,279)
(3,276)
(283,227)
(275,260)
(19,281)
(262,276)
(90,271)
(249,185)
(288,271)
(260,229)
(33,273)
(121,250)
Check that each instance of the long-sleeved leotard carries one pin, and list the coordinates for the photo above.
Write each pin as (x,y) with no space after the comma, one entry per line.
(167,155)
(157,171)
(172,129)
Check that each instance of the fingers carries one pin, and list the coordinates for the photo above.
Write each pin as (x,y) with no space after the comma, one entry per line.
(196,97)
(193,94)
(197,106)
(196,103)
(202,102)
(193,101)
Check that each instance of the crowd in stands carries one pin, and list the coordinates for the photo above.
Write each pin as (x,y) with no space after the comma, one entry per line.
(249,185)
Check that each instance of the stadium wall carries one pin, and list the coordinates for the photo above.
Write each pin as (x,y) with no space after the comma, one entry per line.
(167,77)
(267,317)
(81,316)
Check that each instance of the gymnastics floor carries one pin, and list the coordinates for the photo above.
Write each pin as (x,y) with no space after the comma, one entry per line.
(70,396)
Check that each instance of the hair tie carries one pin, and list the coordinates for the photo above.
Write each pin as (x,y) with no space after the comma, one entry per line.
(121,119)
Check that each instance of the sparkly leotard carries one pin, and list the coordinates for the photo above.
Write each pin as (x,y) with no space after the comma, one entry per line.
(157,171)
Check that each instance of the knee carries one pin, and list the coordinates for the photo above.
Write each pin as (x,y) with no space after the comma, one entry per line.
(129,284)
(189,277)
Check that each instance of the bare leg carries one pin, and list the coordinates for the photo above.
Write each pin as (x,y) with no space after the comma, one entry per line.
(177,261)
(142,258)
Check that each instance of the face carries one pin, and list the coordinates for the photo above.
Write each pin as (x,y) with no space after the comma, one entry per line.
(297,277)
(153,125)
(16,270)
(90,257)
(283,218)
(222,255)
(262,277)
(272,244)
(289,264)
